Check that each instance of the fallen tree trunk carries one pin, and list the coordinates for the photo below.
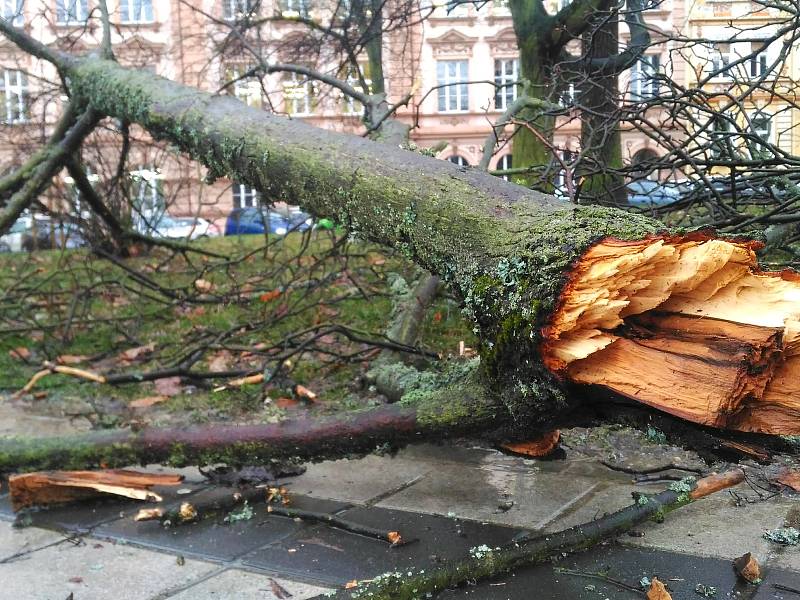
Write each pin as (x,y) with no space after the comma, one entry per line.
(444,412)
(552,287)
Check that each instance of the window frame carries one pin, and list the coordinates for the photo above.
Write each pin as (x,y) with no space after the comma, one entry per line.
(127,6)
(241,191)
(452,87)
(504,163)
(758,59)
(13,11)
(721,61)
(63,9)
(14,112)
(503,92)
(459,160)
(293,81)
(235,10)
(644,84)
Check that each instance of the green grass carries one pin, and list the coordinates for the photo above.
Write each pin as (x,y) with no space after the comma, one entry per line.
(73,303)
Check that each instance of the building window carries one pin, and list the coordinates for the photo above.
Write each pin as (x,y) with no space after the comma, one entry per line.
(758,59)
(298,94)
(722,138)
(720,60)
(12,11)
(234,10)
(451,76)
(351,106)
(501,7)
(136,11)
(568,95)
(246,89)
(14,96)
(244,196)
(459,160)
(148,195)
(71,11)
(504,164)
(761,126)
(506,74)
(644,73)
(299,8)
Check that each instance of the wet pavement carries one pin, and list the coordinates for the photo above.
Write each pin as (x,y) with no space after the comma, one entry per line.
(449,499)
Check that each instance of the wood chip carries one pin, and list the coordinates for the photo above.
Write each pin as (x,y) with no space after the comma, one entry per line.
(149,514)
(541,446)
(747,568)
(658,591)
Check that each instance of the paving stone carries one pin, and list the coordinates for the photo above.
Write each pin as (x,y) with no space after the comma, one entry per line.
(91,570)
(715,526)
(359,480)
(605,498)
(681,573)
(15,421)
(211,538)
(484,492)
(329,556)
(768,591)
(247,585)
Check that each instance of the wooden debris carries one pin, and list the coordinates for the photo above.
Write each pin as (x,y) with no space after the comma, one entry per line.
(149,514)
(53,487)
(538,447)
(658,591)
(303,392)
(64,370)
(747,568)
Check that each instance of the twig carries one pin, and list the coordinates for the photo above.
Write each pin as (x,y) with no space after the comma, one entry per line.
(601,577)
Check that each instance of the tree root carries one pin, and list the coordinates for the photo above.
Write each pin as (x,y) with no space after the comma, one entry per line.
(484,562)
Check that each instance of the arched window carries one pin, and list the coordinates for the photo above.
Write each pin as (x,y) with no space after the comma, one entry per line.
(459,160)
(644,162)
(504,164)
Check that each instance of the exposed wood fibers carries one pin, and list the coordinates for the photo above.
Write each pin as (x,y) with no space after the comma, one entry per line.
(687,325)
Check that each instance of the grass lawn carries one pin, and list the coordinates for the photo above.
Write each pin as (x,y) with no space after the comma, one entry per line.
(263,302)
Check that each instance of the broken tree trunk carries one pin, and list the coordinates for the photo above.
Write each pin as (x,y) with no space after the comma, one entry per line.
(547,283)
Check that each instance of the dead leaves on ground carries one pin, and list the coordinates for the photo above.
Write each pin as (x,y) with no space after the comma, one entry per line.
(148,401)
(790,478)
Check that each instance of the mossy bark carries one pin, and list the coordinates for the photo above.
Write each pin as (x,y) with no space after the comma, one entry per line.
(459,407)
(504,249)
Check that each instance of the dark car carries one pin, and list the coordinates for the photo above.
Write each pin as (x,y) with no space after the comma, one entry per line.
(49,236)
(652,193)
(252,220)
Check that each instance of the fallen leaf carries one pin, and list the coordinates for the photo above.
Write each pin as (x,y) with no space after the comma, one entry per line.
(747,568)
(327,311)
(132,354)
(203,285)
(437,316)
(351,584)
(303,392)
(40,395)
(71,359)
(147,401)
(169,386)
(220,361)
(269,296)
(541,446)
(187,512)
(790,479)
(20,353)
(286,402)
(658,591)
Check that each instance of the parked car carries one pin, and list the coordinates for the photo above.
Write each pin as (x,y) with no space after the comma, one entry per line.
(300,221)
(53,235)
(254,220)
(12,241)
(192,228)
(645,192)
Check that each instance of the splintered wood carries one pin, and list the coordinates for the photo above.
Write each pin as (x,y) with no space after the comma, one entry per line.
(53,487)
(686,325)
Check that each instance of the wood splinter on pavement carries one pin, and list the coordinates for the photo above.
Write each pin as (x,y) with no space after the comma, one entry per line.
(54,487)
(541,446)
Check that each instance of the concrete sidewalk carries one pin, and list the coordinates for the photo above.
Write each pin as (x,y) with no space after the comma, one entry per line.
(451,498)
